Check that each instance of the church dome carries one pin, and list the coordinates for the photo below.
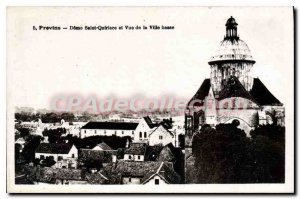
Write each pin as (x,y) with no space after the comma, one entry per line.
(232,48)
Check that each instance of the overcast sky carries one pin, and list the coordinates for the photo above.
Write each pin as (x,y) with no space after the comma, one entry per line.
(42,64)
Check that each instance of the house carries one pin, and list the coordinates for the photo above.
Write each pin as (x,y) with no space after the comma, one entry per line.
(130,172)
(65,155)
(49,175)
(136,152)
(102,147)
(141,133)
(120,129)
(165,174)
(102,156)
(161,135)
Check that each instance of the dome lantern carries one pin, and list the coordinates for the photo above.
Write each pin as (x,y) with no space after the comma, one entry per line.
(231,29)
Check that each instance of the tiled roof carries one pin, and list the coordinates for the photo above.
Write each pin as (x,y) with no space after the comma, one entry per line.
(201,93)
(262,95)
(54,148)
(164,126)
(89,154)
(49,175)
(152,152)
(136,149)
(234,88)
(111,125)
(115,171)
(104,146)
(96,178)
(166,172)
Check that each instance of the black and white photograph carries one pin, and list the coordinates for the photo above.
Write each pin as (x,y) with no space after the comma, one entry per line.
(150,99)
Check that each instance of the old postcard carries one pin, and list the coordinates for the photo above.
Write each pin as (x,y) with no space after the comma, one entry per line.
(150,100)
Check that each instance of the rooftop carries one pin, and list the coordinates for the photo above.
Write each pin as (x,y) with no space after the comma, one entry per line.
(111,125)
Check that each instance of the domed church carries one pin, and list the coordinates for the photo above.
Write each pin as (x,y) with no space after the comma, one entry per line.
(231,93)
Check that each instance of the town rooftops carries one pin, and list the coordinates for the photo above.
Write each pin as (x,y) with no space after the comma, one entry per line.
(136,149)
(103,146)
(54,148)
(166,172)
(111,125)
(102,156)
(50,175)
(115,171)
(150,123)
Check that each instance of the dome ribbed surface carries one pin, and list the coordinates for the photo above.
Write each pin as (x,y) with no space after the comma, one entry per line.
(232,49)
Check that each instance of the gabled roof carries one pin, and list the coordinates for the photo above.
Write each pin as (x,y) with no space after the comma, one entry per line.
(169,153)
(115,171)
(150,123)
(102,156)
(136,149)
(49,175)
(234,88)
(103,146)
(152,152)
(201,93)
(54,148)
(111,125)
(262,95)
(96,178)
(162,124)
(166,172)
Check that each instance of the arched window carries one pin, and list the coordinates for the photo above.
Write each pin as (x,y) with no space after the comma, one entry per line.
(145,134)
(141,135)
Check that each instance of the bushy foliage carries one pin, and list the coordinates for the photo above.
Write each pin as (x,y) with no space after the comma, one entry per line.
(226,155)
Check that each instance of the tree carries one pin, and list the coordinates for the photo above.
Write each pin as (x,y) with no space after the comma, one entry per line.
(24,132)
(29,148)
(226,155)
(221,154)
(49,161)
(268,149)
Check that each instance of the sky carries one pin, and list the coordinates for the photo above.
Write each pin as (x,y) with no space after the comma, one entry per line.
(42,64)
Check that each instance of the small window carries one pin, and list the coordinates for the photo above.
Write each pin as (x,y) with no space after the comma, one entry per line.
(129,180)
(95,131)
(122,132)
(84,131)
(42,157)
(160,137)
(73,155)
(145,134)
(156,181)
(115,132)
(129,157)
(141,135)
(105,132)
(60,158)
(132,132)
(139,157)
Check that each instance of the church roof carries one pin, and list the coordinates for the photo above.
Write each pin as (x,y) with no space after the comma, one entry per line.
(262,95)
(202,92)
(234,88)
